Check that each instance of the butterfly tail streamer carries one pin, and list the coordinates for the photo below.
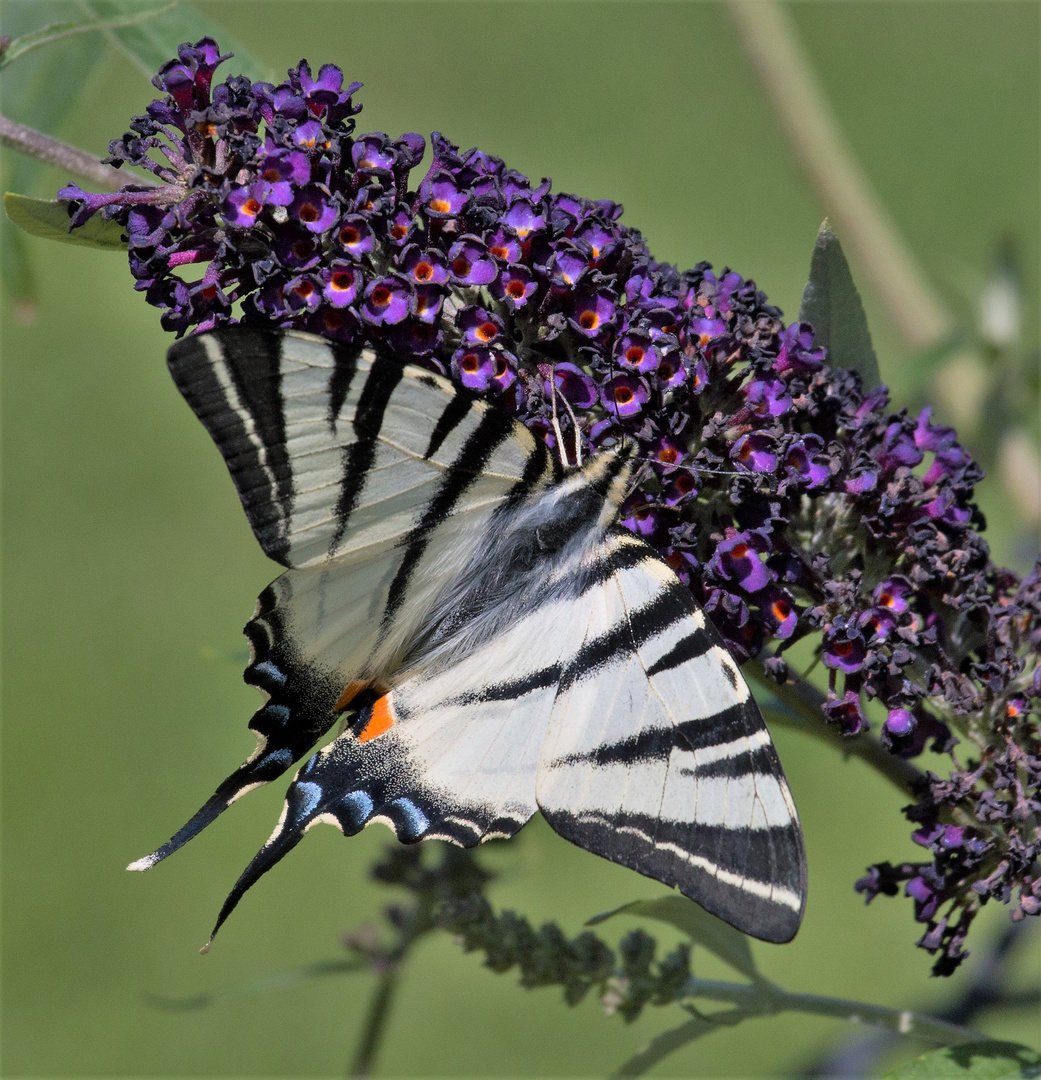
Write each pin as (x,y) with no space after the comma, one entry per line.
(325,791)
(298,712)
(248,776)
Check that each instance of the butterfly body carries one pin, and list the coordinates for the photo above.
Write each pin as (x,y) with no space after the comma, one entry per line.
(490,641)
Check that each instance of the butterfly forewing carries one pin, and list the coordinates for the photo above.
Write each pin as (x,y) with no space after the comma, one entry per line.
(488,643)
(334,453)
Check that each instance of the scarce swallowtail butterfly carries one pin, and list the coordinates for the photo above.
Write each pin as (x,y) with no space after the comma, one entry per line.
(489,641)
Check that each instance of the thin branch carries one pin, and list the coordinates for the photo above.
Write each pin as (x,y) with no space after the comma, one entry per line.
(766,999)
(375,1022)
(866,229)
(775,1000)
(988,989)
(72,159)
(804,704)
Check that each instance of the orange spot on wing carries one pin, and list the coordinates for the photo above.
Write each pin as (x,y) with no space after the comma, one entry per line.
(382,720)
(354,688)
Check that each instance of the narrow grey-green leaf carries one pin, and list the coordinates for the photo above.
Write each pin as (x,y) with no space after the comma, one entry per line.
(45,35)
(832,304)
(55,32)
(48,83)
(17,272)
(730,945)
(674,1039)
(985,1060)
(281,980)
(151,44)
(50,220)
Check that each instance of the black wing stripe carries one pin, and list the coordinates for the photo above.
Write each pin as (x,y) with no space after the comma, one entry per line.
(540,466)
(703,734)
(345,367)
(706,861)
(669,606)
(733,758)
(762,845)
(761,760)
(454,413)
(509,690)
(687,648)
(494,428)
(359,456)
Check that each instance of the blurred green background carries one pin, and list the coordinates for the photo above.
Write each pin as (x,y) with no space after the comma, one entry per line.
(129,569)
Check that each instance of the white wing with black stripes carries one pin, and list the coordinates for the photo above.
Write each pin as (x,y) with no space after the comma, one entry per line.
(657,758)
(488,640)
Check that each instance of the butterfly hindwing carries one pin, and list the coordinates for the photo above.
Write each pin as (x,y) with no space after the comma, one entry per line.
(657,758)
(450,754)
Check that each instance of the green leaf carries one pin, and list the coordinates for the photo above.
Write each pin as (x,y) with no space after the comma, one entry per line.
(985,1060)
(50,220)
(674,1039)
(17,272)
(54,32)
(281,980)
(730,945)
(832,304)
(48,84)
(151,44)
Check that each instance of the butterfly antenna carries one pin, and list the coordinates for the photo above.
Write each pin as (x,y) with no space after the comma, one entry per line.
(556,423)
(575,428)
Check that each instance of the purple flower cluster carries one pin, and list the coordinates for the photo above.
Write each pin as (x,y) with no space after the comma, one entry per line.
(788,497)
(980,823)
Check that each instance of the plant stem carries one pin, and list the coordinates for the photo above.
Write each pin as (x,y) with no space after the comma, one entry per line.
(804,702)
(801,107)
(776,1000)
(766,999)
(375,1021)
(375,1027)
(53,151)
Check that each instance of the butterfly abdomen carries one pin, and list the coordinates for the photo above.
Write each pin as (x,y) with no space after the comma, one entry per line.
(533,551)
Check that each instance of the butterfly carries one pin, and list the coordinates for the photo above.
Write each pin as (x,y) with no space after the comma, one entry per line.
(487,638)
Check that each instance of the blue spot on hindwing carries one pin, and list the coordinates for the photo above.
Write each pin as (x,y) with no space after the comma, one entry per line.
(278,713)
(306,796)
(358,807)
(413,821)
(269,671)
(283,757)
